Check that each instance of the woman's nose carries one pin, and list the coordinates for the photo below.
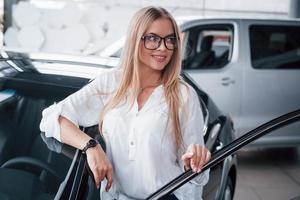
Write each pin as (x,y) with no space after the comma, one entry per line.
(162,46)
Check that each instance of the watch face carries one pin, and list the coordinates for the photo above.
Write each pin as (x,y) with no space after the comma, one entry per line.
(93,143)
(90,143)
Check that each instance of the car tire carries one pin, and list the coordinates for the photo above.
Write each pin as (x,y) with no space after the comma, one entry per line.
(228,192)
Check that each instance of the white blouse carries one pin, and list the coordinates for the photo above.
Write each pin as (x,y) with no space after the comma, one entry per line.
(139,142)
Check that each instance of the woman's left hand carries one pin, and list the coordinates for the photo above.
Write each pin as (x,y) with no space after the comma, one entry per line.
(195,157)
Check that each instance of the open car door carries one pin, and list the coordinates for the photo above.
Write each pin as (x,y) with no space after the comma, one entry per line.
(166,191)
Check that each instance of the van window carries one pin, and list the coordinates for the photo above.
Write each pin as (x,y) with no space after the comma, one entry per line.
(207,47)
(275,47)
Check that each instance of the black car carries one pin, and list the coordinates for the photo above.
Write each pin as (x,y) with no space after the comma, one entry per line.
(36,167)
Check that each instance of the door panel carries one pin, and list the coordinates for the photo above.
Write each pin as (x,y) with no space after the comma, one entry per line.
(272,77)
(210,58)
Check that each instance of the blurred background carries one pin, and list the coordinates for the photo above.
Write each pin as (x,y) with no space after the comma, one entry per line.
(88,26)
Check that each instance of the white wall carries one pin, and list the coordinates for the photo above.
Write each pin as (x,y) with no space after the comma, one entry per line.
(87,26)
(1,20)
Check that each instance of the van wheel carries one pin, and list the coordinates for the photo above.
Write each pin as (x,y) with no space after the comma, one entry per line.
(228,193)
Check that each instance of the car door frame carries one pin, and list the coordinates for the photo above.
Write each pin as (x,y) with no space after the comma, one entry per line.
(219,156)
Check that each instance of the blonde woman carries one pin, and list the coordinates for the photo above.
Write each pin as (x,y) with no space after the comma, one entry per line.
(150,118)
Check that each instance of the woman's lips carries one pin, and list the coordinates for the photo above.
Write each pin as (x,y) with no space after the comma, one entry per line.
(159,58)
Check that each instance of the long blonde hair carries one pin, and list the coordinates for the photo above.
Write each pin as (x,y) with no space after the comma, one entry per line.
(130,67)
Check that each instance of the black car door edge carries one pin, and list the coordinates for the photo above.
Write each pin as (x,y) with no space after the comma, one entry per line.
(227,150)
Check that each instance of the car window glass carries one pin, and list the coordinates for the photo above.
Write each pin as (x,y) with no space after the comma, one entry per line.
(5,95)
(205,114)
(275,47)
(208,47)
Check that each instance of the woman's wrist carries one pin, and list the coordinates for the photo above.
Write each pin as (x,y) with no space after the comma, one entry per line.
(92,143)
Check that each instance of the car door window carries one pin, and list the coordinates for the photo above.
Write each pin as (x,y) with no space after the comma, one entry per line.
(205,116)
(275,47)
(207,47)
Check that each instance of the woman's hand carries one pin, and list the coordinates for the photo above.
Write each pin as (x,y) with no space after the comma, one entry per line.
(96,158)
(195,157)
(100,166)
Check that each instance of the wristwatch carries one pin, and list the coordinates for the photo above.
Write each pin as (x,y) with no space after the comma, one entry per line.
(91,143)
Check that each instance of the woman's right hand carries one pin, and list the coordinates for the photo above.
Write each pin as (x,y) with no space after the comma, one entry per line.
(96,157)
(100,166)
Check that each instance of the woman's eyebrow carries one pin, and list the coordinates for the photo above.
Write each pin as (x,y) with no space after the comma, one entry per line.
(172,34)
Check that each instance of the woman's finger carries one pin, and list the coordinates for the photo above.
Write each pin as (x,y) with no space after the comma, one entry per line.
(187,155)
(186,159)
(96,177)
(208,156)
(199,158)
(193,160)
(201,152)
(109,177)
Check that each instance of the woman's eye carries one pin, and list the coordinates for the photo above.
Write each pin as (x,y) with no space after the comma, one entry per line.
(171,40)
(153,38)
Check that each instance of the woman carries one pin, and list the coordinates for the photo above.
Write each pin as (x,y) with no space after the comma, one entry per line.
(151,119)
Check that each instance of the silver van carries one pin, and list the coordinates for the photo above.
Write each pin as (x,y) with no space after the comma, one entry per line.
(250,68)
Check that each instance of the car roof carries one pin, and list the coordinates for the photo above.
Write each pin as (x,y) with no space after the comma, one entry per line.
(52,57)
(183,19)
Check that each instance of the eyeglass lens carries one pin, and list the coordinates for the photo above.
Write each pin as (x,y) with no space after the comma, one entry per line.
(152,42)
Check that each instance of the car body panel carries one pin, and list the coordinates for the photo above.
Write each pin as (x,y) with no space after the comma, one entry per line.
(268,93)
(29,81)
(251,96)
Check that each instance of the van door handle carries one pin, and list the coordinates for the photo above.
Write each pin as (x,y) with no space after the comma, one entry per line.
(226,81)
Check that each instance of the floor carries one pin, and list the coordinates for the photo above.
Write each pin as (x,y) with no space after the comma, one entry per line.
(268,174)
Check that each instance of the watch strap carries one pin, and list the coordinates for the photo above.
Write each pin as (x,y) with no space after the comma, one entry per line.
(91,143)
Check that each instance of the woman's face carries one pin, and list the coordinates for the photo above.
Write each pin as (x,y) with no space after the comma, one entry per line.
(154,54)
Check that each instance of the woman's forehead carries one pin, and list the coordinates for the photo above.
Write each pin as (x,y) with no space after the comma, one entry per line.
(162,27)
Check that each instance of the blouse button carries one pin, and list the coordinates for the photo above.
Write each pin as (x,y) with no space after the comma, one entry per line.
(131,143)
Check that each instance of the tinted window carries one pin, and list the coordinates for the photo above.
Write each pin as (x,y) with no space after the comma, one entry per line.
(207,47)
(275,47)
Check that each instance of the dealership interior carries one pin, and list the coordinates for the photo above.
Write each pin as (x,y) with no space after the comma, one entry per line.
(97,28)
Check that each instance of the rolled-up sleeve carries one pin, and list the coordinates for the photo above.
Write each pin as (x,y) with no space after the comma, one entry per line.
(192,125)
(82,108)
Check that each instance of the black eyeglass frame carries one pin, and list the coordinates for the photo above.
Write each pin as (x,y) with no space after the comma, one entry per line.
(159,42)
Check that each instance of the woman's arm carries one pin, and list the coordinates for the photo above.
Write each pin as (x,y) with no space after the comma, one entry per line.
(71,134)
(96,158)
(82,108)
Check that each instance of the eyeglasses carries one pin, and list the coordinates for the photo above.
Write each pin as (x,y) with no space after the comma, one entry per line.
(153,41)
